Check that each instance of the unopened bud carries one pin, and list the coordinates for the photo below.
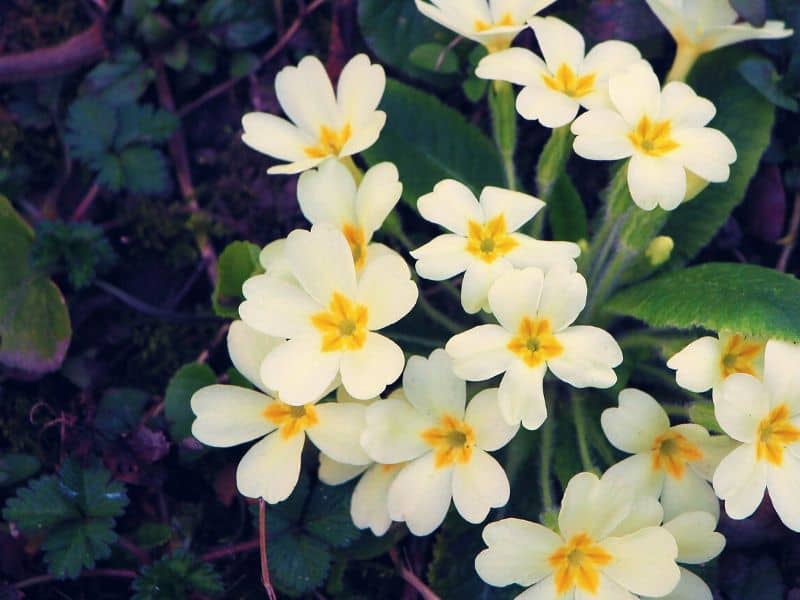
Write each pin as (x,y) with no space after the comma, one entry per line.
(659,250)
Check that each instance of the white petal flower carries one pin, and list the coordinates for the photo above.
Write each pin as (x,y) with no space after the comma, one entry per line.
(555,88)
(445,445)
(709,24)
(330,196)
(707,362)
(669,463)
(492,23)
(587,559)
(323,124)
(663,132)
(765,417)
(536,312)
(330,317)
(484,242)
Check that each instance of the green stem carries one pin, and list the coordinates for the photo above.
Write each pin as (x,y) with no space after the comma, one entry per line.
(580,430)
(545,462)
(685,57)
(435,314)
(504,126)
(551,165)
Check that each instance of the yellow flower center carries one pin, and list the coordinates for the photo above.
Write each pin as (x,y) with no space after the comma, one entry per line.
(343,326)
(653,139)
(738,356)
(775,432)
(567,82)
(491,240)
(505,21)
(670,453)
(535,342)
(291,420)
(452,441)
(330,142)
(357,241)
(578,563)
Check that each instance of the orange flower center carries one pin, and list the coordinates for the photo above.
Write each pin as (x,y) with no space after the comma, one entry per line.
(670,453)
(577,564)
(357,241)
(567,82)
(739,356)
(775,432)
(505,21)
(291,420)
(330,143)
(343,326)
(653,139)
(452,441)
(491,240)
(535,342)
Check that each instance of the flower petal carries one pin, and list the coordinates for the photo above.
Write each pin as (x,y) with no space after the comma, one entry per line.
(517,208)
(327,195)
(228,415)
(783,484)
(645,511)
(420,495)
(378,194)
(636,92)
(644,562)
(705,152)
(478,279)
(369,507)
(247,348)
(602,135)
(483,415)
(697,541)
(442,258)
(332,472)
(560,43)
(299,371)
(563,296)
(366,372)
(271,468)
(604,60)
(277,307)
(393,431)
(545,590)
(521,395)
(515,295)
(549,107)
(697,365)
(637,473)
(360,89)
(274,136)
(452,205)
(686,494)
(593,506)
(684,108)
(588,359)
(634,426)
(386,289)
(740,480)
(740,403)
(543,254)
(656,181)
(306,95)
(480,353)
(478,486)
(517,65)
(781,374)
(338,431)
(690,587)
(432,387)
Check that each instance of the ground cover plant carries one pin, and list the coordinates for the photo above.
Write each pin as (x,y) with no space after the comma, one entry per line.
(400,298)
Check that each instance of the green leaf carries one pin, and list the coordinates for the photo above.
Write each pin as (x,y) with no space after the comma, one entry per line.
(144,123)
(91,124)
(175,577)
(298,563)
(328,515)
(120,80)
(109,173)
(474,88)
(145,170)
(17,467)
(39,505)
(34,323)
(434,57)
(92,490)
(186,381)
(76,545)
(152,534)
(119,411)
(243,63)
(748,299)
(566,212)
(237,263)
(716,77)
(761,74)
(177,57)
(429,141)
(553,160)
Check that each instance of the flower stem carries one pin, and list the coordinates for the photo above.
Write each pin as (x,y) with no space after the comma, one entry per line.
(504,126)
(262,546)
(551,165)
(545,462)
(685,57)
(579,418)
(357,173)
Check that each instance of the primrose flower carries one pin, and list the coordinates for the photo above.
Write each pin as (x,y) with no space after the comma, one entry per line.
(330,317)
(707,362)
(673,464)
(492,23)
(445,445)
(323,124)
(568,78)
(228,415)
(535,311)
(602,550)
(663,132)
(765,417)
(484,242)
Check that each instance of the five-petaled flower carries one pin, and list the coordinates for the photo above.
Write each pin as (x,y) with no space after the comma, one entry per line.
(765,418)
(228,415)
(535,311)
(445,444)
(492,23)
(324,124)
(330,317)
(556,88)
(663,132)
(673,464)
(605,549)
(484,242)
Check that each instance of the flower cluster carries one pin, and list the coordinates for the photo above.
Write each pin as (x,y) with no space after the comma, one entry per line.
(318,323)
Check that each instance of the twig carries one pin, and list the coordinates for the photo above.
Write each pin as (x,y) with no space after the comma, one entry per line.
(279,45)
(39,579)
(790,240)
(86,202)
(262,548)
(218,337)
(141,555)
(144,307)
(79,50)
(230,550)
(411,578)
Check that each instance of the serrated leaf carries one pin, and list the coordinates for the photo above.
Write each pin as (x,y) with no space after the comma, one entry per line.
(15,467)
(109,172)
(186,381)
(119,410)
(75,545)
(145,170)
(298,563)
(39,505)
(175,577)
(748,299)
(237,263)
(328,515)
(120,80)
(429,141)
(92,490)
(91,125)
(715,76)
(144,123)
(35,328)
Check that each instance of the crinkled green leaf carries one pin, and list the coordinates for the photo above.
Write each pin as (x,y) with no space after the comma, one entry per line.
(747,299)
(144,123)
(186,381)
(298,563)
(444,144)
(177,576)
(91,126)
(92,490)
(15,467)
(75,545)
(237,263)
(145,170)
(328,515)
(152,534)
(119,410)
(40,505)
(120,80)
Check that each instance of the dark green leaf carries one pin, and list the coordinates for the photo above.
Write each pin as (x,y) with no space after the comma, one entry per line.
(474,88)
(747,299)
(298,563)
(151,535)
(120,80)
(237,263)
(186,381)
(566,212)
(143,123)
(175,577)
(145,170)
(109,172)
(39,505)
(91,124)
(17,467)
(75,545)
(119,410)
(92,490)
(328,515)
(177,57)
(243,63)
(429,141)
(244,34)
(761,74)
(435,57)
(553,161)
(34,323)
